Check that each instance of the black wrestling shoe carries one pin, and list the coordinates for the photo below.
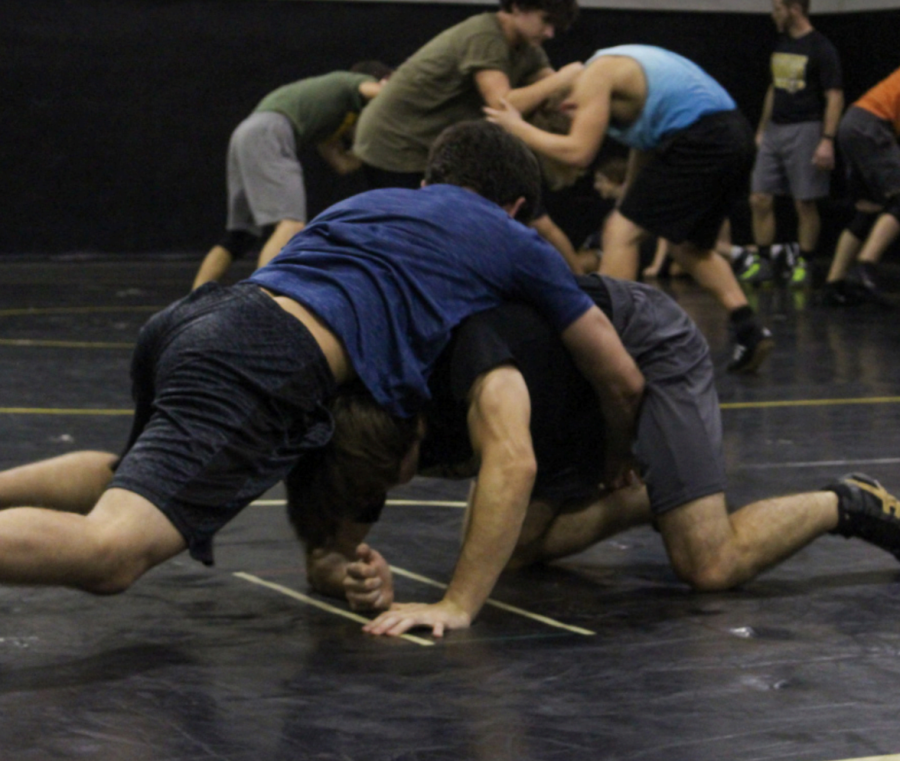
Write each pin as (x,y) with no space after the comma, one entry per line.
(867,510)
(751,350)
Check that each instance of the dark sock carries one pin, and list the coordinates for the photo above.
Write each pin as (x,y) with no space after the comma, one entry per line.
(843,493)
(743,320)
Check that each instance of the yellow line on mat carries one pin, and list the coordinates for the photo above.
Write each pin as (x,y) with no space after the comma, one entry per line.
(321,605)
(500,605)
(810,402)
(74,310)
(726,406)
(59,411)
(390,502)
(64,344)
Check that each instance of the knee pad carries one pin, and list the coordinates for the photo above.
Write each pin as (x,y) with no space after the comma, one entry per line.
(862,223)
(238,242)
(892,206)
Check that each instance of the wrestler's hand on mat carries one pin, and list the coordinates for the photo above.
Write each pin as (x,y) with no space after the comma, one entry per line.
(368,582)
(506,116)
(402,617)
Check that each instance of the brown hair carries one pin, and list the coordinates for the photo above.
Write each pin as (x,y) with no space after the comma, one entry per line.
(561,13)
(353,472)
(485,158)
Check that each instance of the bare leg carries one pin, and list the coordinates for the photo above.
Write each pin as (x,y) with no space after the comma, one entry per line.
(659,258)
(763,208)
(284,231)
(809,225)
(621,247)
(848,246)
(71,482)
(712,550)
(550,532)
(845,253)
(213,267)
(886,229)
(103,552)
(712,272)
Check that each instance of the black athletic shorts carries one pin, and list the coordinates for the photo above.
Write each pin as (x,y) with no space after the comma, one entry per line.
(230,392)
(693,180)
(871,156)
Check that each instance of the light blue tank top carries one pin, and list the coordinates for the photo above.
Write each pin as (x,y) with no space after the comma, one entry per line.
(679,93)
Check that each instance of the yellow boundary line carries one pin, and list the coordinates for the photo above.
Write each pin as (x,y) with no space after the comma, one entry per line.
(28,311)
(321,605)
(27,342)
(390,503)
(809,403)
(726,406)
(59,411)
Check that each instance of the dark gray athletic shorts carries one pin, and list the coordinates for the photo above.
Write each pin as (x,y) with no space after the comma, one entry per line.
(784,162)
(871,154)
(230,392)
(679,437)
(265,177)
(693,180)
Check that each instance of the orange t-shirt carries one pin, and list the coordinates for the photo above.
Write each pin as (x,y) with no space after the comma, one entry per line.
(883,100)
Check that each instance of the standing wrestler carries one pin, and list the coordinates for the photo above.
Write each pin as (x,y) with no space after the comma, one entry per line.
(867,139)
(479,61)
(796,135)
(265,178)
(691,154)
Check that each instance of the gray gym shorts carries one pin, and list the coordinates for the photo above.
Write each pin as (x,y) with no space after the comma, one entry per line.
(265,178)
(784,162)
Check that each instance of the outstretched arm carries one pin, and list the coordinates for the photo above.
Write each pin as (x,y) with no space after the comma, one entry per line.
(499,419)
(494,87)
(589,105)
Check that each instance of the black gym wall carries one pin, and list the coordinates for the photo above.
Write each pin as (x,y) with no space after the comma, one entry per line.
(116,115)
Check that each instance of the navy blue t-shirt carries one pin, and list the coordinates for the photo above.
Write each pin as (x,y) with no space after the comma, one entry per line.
(393,271)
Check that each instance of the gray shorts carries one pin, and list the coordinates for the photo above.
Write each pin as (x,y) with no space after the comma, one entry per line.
(265,178)
(784,162)
(679,437)
(871,154)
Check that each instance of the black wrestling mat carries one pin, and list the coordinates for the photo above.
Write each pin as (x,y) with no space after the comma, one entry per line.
(603,656)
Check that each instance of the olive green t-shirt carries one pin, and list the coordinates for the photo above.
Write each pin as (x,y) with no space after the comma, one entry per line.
(435,88)
(319,107)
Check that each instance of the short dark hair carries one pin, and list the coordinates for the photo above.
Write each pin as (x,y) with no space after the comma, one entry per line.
(485,158)
(803,5)
(562,13)
(375,69)
(353,470)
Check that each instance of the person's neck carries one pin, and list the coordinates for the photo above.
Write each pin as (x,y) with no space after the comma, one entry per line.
(800,28)
(507,25)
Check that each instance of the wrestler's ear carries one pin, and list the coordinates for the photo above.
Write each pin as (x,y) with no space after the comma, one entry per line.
(513,208)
